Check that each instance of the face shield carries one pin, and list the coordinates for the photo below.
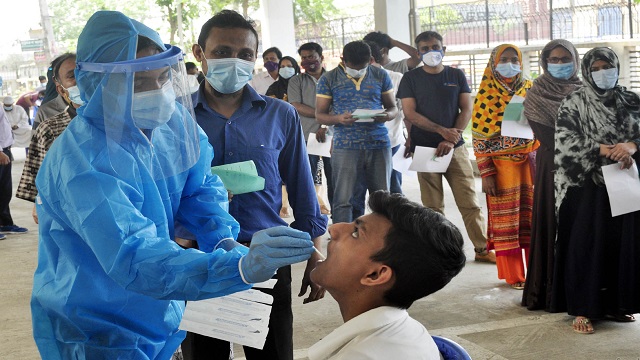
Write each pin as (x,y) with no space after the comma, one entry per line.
(148,114)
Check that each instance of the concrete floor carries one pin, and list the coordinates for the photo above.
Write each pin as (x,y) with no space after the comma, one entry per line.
(476,310)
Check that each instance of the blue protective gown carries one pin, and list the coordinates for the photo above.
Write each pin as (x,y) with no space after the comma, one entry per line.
(110,281)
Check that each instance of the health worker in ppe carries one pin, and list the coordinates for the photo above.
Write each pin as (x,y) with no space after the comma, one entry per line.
(129,169)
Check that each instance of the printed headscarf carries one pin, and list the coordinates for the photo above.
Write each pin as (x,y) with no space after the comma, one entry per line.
(494,94)
(587,118)
(544,98)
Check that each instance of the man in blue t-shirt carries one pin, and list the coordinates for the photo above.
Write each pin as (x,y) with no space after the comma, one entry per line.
(436,101)
(361,146)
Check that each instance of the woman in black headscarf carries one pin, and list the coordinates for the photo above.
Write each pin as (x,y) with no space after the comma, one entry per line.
(597,272)
(288,68)
(560,61)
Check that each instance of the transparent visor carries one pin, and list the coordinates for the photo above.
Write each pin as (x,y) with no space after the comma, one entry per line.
(148,116)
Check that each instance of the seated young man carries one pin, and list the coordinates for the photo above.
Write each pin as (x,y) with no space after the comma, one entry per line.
(376,267)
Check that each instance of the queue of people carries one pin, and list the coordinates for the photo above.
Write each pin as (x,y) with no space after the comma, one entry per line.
(127,173)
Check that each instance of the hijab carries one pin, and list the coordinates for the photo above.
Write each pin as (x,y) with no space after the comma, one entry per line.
(587,118)
(544,98)
(494,94)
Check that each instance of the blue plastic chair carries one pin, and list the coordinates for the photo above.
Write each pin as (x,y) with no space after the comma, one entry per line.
(450,349)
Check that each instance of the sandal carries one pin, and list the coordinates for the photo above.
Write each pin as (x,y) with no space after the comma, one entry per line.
(518,286)
(622,318)
(582,325)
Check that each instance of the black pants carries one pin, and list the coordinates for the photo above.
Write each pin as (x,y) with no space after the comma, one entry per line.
(6,190)
(279,343)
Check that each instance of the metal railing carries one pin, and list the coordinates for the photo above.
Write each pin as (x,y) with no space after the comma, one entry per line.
(487,23)
(333,35)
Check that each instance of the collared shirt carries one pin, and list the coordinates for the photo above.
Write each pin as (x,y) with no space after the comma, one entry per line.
(41,142)
(382,333)
(6,136)
(267,131)
(261,82)
(348,94)
(302,89)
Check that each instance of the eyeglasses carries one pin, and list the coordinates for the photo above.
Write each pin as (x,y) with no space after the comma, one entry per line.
(557,60)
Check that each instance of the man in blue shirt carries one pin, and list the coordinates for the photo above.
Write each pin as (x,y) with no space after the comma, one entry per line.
(243,125)
(361,149)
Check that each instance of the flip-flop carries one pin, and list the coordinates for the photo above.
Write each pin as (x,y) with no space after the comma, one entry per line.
(622,318)
(518,286)
(582,321)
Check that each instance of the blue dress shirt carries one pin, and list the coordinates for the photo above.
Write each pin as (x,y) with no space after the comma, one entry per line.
(267,131)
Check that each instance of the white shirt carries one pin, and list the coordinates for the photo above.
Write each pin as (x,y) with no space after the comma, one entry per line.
(396,126)
(383,333)
(6,137)
(261,82)
(18,117)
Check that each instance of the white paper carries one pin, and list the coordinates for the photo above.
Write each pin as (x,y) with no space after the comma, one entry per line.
(519,129)
(400,163)
(366,115)
(425,160)
(623,187)
(241,318)
(314,147)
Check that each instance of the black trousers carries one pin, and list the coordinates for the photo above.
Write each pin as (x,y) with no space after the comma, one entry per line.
(279,343)
(6,190)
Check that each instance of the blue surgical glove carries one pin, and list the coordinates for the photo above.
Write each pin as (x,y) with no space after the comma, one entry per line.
(272,249)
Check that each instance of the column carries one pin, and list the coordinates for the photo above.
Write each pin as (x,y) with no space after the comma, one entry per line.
(392,17)
(277,27)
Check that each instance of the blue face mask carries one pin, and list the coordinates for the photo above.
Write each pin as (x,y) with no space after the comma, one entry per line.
(229,75)
(356,74)
(561,71)
(287,72)
(74,95)
(605,79)
(151,109)
(508,70)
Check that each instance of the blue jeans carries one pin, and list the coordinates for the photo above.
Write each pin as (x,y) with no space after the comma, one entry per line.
(374,166)
(357,201)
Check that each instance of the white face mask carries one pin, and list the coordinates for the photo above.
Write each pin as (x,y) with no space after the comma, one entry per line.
(192,83)
(605,79)
(432,58)
(8,107)
(151,109)
(287,72)
(356,74)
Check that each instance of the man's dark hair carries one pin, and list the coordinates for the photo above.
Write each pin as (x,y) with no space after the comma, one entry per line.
(310,46)
(383,40)
(144,42)
(42,78)
(356,53)
(428,35)
(273,50)
(375,51)
(422,247)
(57,62)
(189,65)
(226,19)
